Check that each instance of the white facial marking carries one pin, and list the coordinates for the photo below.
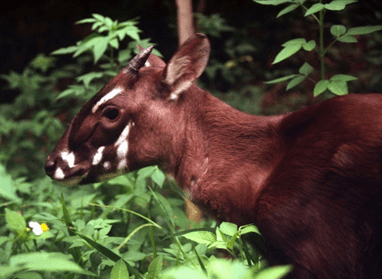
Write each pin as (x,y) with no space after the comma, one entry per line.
(59,174)
(98,156)
(123,146)
(68,158)
(106,98)
(106,165)
(147,64)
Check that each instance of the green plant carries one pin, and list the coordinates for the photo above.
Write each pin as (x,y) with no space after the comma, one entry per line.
(337,84)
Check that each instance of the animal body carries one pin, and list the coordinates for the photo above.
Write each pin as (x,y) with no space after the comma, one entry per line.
(310,180)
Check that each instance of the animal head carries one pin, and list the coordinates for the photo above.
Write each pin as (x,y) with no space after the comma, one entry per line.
(129,123)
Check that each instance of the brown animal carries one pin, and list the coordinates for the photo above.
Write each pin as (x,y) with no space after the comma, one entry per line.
(310,180)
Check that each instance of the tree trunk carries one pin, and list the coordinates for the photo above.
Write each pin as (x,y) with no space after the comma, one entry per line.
(185,20)
(185,31)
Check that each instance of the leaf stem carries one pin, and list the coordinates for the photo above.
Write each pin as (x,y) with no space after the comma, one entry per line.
(322,51)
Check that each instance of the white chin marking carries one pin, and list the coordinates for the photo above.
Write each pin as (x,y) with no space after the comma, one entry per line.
(98,156)
(106,166)
(106,98)
(59,174)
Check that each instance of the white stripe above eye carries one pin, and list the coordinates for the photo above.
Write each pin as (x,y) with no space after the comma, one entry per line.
(106,98)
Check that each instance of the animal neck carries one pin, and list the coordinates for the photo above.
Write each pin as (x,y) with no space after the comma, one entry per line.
(224,148)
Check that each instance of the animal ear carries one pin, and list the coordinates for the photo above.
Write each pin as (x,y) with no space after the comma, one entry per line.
(153,60)
(186,65)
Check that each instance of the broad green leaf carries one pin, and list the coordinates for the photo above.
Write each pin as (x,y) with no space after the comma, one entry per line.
(338,87)
(320,87)
(364,30)
(100,48)
(86,20)
(343,78)
(7,185)
(274,272)
(15,221)
(249,229)
(277,80)
(201,237)
(87,78)
(64,50)
(119,270)
(53,262)
(228,228)
(347,39)
(158,177)
(298,41)
(273,2)
(306,69)
(114,43)
(335,6)
(296,81)
(155,268)
(314,9)
(338,30)
(309,45)
(288,9)
(99,17)
(287,52)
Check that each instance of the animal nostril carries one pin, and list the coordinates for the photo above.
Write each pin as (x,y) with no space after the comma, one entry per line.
(50,166)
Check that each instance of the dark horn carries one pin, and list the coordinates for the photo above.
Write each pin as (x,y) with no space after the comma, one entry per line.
(138,61)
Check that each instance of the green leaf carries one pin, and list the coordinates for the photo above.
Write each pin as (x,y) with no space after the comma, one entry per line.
(347,39)
(338,30)
(272,2)
(335,6)
(306,69)
(338,87)
(15,221)
(293,42)
(7,188)
(364,30)
(228,228)
(119,270)
(343,78)
(314,9)
(274,272)
(202,237)
(158,177)
(155,268)
(296,81)
(277,80)
(288,9)
(286,53)
(320,87)
(87,78)
(309,45)
(249,229)
(64,50)
(51,262)
(100,48)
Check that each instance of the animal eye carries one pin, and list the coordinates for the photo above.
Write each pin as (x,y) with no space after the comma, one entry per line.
(111,113)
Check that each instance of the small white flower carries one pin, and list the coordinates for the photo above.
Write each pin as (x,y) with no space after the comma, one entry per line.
(36,228)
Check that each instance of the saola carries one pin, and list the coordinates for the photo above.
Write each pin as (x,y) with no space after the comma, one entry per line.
(310,180)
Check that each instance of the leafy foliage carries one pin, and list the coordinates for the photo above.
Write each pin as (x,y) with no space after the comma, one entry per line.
(338,83)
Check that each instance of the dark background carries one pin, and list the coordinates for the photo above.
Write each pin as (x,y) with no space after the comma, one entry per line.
(33,27)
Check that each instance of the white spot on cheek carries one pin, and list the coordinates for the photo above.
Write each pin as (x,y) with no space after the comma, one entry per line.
(106,98)
(98,156)
(147,64)
(68,158)
(123,146)
(106,165)
(59,174)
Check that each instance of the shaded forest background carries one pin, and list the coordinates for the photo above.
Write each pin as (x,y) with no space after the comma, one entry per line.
(250,36)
